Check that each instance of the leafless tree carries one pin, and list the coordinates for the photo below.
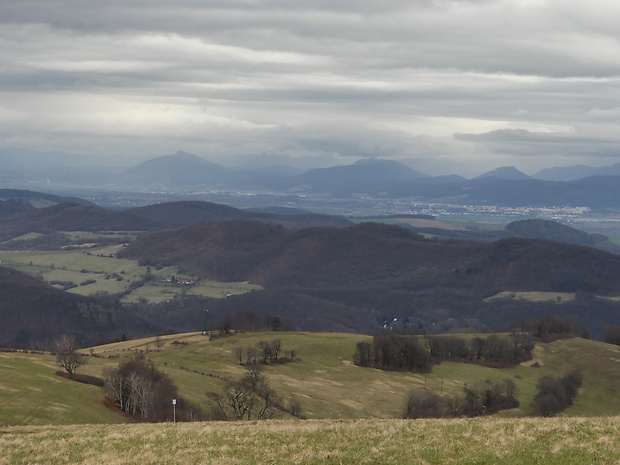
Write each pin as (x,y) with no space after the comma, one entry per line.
(247,398)
(265,350)
(66,354)
(238,354)
(250,355)
(276,346)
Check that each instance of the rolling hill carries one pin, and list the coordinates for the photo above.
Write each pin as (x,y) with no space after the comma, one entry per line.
(360,275)
(322,377)
(33,311)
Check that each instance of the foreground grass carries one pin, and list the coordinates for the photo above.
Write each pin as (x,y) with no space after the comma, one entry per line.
(479,441)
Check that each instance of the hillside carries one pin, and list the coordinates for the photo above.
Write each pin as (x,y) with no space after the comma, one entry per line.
(542,229)
(362,274)
(32,311)
(19,220)
(531,228)
(174,214)
(322,377)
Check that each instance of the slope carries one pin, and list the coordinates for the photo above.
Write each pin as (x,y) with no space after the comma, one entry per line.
(32,311)
(322,377)
(362,274)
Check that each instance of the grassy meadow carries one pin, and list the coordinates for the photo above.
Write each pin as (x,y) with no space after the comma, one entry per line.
(352,412)
(323,379)
(92,270)
(558,441)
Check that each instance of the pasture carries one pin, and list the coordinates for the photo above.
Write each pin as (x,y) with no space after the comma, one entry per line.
(323,378)
(94,270)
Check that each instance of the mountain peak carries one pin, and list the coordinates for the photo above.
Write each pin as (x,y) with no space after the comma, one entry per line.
(505,172)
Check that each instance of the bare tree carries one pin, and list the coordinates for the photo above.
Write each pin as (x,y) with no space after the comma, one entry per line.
(276,346)
(247,398)
(238,354)
(250,355)
(265,349)
(66,354)
(159,343)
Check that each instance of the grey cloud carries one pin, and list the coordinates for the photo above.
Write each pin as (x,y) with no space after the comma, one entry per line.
(526,143)
(345,79)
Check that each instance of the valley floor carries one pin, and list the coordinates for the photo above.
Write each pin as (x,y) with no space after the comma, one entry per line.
(465,441)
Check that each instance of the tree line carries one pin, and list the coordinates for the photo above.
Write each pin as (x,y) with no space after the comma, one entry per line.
(391,351)
(483,398)
(264,352)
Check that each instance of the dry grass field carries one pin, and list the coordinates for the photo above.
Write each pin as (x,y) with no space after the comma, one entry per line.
(560,441)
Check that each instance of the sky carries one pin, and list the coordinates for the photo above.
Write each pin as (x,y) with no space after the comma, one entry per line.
(451,86)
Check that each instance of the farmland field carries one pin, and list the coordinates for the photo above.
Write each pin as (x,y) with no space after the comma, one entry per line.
(94,270)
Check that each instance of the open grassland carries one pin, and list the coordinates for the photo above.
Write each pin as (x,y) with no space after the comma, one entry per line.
(558,297)
(480,441)
(323,379)
(31,394)
(95,270)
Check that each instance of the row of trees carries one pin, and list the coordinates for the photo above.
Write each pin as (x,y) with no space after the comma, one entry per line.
(549,328)
(249,320)
(263,352)
(391,351)
(493,350)
(483,398)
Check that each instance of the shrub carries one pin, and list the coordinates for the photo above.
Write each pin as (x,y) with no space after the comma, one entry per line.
(556,394)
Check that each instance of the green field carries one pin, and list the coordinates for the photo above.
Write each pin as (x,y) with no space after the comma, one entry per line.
(535,296)
(31,394)
(324,379)
(560,441)
(93,270)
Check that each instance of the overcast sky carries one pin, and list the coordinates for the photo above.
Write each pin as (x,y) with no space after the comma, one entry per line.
(473,84)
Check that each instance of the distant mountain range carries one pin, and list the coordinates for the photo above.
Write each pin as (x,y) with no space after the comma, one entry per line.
(596,188)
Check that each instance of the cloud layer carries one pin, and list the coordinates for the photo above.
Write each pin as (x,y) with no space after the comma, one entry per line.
(472,83)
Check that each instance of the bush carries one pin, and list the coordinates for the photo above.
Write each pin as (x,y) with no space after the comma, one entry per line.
(425,404)
(556,394)
(483,398)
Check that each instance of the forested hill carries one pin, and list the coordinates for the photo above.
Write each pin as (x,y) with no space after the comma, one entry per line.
(356,278)
(376,254)
(174,214)
(32,311)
